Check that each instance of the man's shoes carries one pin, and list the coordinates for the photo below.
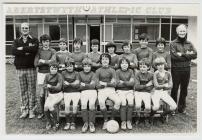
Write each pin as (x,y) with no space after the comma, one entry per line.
(92,127)
(85,127)
(24,114)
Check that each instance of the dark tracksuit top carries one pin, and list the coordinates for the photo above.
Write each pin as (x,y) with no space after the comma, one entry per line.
(181,63)
(126,76)
(78,58)
(114,61)
(25,58)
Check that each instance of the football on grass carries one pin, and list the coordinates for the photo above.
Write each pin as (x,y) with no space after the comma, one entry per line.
(112,126)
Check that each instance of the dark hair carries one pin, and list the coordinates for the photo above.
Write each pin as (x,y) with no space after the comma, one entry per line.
(53,64)
(126,43)
(124,59)
(105,55)
(69,61)
(161,40)
(144,61)
(45,37)
(78,40)
(109,45)
(143,36)
(95,42)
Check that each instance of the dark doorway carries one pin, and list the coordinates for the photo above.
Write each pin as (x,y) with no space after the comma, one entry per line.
(94,32)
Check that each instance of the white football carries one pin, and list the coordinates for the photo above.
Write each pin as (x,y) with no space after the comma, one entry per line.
(112,126)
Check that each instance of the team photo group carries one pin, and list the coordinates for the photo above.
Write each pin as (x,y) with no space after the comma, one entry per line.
(137,81)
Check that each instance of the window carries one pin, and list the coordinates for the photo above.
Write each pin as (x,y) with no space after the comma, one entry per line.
(121,32)
(165,31)
(54,31)
(9,33)
(108,32)
(63,28)
(152,30)
(34,30)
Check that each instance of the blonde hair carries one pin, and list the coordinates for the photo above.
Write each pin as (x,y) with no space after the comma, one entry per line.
(159,60)
(180,26)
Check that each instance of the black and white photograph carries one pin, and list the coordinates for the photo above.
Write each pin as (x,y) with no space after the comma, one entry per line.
(92,68)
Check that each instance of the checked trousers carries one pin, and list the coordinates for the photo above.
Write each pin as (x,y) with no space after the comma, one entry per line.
(27,82)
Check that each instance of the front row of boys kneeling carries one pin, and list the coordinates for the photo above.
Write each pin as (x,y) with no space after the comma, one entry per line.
(120,86)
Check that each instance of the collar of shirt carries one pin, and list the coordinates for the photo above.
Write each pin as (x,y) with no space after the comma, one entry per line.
(21,37)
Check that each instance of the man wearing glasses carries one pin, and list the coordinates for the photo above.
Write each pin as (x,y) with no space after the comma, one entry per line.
(24,49)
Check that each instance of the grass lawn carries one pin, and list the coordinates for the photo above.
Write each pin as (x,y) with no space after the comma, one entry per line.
(177,124)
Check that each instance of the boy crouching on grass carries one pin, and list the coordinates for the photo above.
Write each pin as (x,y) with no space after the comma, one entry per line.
(125,84)
(53,86)
(162,84)
(71,93)
(106,83)
(88,95)
(143,89)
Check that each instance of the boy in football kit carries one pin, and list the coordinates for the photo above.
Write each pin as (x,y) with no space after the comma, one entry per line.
(53,86)
(111,49)
(143,51)
(94,55)
(143,88)
(78,55)
(105,83)
(71,93)
(127,47)
(162,84)
(88,95)
(125,84)
(62,54)
(44,57)
(161,44)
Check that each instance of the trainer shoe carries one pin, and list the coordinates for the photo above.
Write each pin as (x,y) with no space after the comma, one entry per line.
(92,127)
(48,126)
(72,126)
(24,114)
(67,126)
(123,125)
(31,114)
(85,127)
(129,125)
(104,125)
(40,116)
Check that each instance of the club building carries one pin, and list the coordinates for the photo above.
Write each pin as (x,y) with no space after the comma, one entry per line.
(105,22)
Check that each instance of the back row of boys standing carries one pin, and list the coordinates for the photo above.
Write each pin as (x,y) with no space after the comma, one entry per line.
(123,79)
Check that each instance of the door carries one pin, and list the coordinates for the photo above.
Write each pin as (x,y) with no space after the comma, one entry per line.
(94,33)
